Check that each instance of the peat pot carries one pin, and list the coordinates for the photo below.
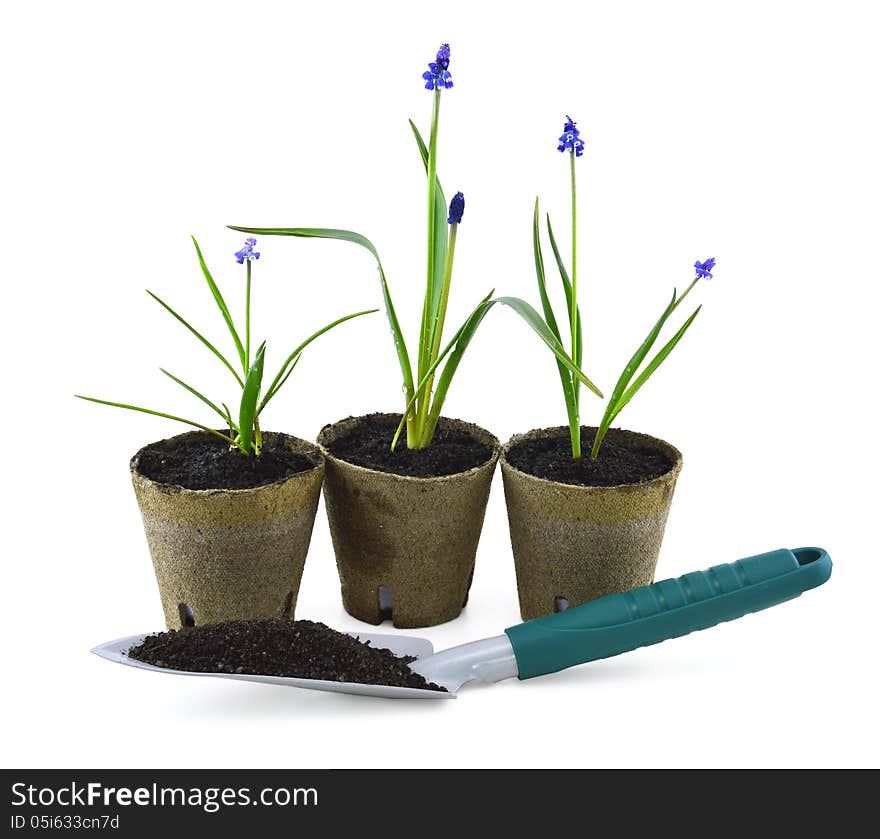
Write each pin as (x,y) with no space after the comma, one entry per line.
(229,554)
(405,546)
(574,543)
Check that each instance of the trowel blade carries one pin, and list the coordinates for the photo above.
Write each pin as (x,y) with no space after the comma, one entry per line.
(400,645)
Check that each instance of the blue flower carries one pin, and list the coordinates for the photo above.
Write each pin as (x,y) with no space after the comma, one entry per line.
(456,208)
(247,252)
(437,74)
(704,269)
(571,138)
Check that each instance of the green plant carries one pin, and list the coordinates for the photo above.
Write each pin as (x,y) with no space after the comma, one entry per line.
(626,388)
(425,394)
(244,429)
(570,142)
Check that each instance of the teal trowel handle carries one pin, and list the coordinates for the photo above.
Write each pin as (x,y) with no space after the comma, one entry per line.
(618,623)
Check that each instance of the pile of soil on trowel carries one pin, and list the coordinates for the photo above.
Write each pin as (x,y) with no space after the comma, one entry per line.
(298,649)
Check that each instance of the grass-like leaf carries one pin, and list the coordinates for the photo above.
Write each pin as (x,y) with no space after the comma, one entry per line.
(284,372)
(570,385)
(459,343)
(232,423)
(566,286)
(639,356)
(196,393)
(467,328)
(156,414)
(527,312)
(549,315)
(440,248)
(221,304)
(280,384)
(364,242)
(612,409)
(433,277)
(198,335)
(248,409)
(654,364)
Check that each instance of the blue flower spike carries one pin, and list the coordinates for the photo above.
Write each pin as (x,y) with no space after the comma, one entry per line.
(456,208)
(570,140)
(437,74)
(247,252)
(704,269)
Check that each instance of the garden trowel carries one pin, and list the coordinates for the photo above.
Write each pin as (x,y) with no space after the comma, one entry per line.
(609,626)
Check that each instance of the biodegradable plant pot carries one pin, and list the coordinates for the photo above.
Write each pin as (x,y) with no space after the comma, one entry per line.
(228,554)
(415,538)
(573,543)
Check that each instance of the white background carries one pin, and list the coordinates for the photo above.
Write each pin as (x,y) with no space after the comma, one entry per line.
(747,131)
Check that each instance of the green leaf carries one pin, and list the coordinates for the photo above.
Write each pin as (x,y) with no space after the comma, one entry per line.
(570,385)
(441,226)
(221,304)
(459,344)
(232,424)
(534,320)
(639,355)
(466,330)
(195,393)
(281,383)
(429,309)
(156,414)
(248,409)
(654,364)
(440,250)
(611,409)
(566,285)
(284,372)
(198,335)
(549,316)
(356,238)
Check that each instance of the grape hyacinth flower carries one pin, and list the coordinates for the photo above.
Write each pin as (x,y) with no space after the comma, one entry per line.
(247,252)
(247,255)
(437,74)
(456,208)
(570,140)
(704,269)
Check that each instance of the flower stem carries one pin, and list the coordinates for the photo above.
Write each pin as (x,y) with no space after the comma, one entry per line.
(574,416)
(247,320)
(686,293)
(574,270)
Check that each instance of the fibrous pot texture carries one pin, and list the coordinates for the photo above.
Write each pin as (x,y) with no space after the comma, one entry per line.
(405,546)
(230,554)
(573,543)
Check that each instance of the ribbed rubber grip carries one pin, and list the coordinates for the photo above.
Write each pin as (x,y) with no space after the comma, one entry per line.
(669,609)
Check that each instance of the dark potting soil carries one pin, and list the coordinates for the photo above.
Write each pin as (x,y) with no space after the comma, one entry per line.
(451,451)
(620,461)
(297,649)
(209,463)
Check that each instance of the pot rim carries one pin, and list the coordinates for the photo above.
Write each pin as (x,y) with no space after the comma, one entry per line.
(488,437)
(657,442)
(311,450)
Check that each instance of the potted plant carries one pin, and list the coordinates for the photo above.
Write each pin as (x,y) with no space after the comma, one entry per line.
(406,520)
(586,525)
(228,513)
